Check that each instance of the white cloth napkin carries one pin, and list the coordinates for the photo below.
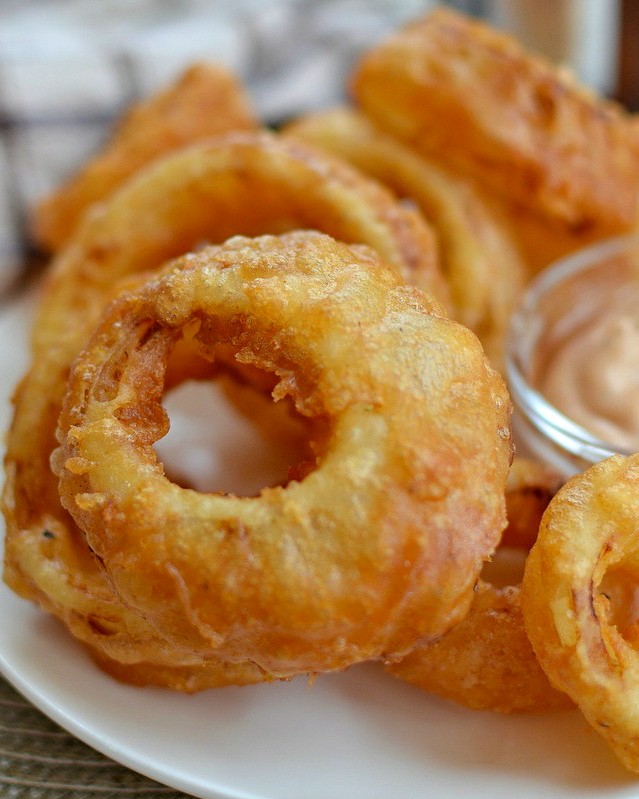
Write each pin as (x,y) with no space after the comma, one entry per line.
(69,67)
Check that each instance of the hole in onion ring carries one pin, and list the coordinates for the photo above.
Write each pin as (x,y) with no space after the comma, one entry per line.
(227,436)
(619,592)
(506,567)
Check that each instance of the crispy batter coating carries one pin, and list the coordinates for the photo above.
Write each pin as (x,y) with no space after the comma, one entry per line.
(486,662)
(205,192)
(206,100)
(379,545)
(464,92)
(585,556)
(479,258)
(198,676)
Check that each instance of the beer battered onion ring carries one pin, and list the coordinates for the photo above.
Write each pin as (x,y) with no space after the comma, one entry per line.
(246,183)
(486,662)
(585,554)
(207,100)
(377,547)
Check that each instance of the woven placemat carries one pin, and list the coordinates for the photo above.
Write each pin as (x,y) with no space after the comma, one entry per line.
(39,760)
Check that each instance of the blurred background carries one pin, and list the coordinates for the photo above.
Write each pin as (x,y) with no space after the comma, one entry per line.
(68,68)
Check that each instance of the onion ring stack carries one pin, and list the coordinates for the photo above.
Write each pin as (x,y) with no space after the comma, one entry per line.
(196,245)
(204,192)
(371,551)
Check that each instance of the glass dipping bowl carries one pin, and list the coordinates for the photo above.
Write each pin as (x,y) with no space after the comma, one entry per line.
(560,302)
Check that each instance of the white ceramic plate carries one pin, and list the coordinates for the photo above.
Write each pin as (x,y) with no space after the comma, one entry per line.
(356,735)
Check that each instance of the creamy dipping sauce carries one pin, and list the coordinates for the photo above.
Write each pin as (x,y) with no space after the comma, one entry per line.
(593,375)
(572,358)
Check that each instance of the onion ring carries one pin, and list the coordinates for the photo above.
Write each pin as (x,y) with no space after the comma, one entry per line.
(480,260)
(486,662)
(204,192)
(206,100)
(588,541)
(461,91)
(379,545)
